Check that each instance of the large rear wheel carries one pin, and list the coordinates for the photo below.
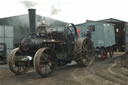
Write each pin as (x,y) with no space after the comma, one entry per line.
(16,62)
(43,61)
(84,51)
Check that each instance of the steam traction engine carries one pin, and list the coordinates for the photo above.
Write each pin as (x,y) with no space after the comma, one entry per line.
(47,47)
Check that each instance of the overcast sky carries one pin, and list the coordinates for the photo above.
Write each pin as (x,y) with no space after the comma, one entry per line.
(74,11)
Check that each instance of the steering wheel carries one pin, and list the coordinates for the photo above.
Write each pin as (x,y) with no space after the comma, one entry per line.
(70,32)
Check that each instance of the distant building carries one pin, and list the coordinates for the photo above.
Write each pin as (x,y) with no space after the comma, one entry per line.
(20,24)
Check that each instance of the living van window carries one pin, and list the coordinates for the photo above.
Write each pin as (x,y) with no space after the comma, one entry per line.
(92,28)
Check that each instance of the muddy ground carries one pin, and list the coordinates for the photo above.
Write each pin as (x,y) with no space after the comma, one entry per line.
(108,72)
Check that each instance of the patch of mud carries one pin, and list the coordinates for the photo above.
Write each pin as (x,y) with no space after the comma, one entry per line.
(115,70)
(122,60)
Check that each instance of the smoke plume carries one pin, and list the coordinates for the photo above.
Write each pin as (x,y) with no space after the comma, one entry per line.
(54,10)
(29,4)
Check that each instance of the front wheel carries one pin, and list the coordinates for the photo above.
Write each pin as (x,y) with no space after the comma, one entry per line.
(16,62)
(43,61)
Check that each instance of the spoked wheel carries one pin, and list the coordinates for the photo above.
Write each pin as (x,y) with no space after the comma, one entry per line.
(16,63)
(43,62)
(84,51)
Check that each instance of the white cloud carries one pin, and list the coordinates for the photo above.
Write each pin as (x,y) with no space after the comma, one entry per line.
(76,11)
